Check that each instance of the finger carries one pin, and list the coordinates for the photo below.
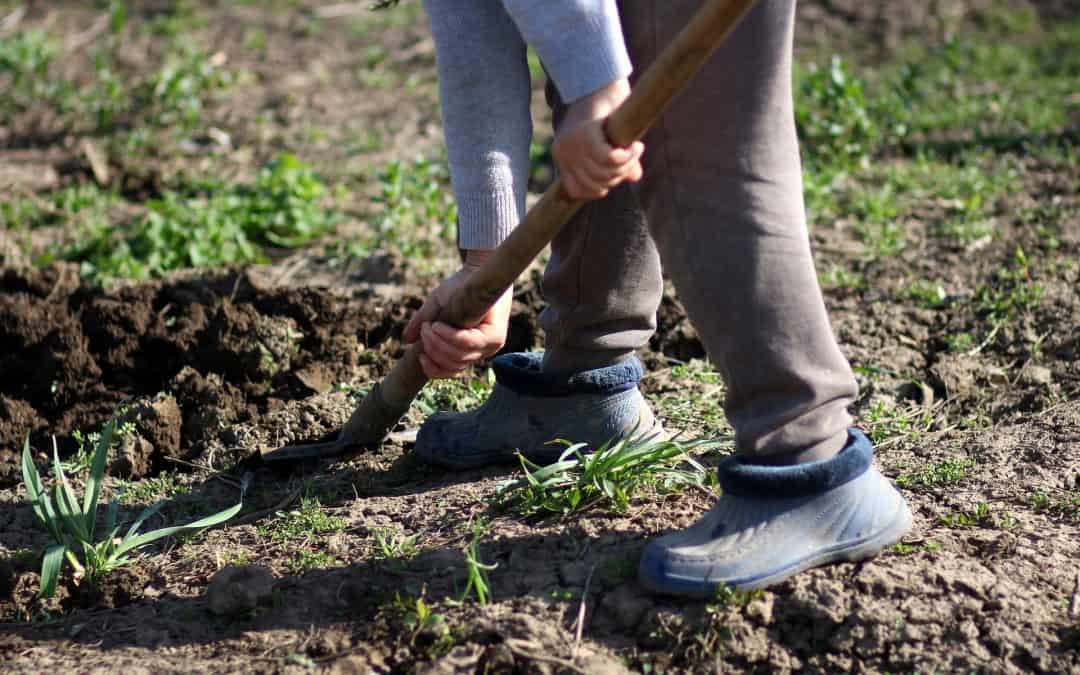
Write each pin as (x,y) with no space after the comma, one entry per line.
(432,371)
(444,355)
(594,174)
(592,186)
(446,350)
(618,157)
(463,340)
(427,312)
(443,368)
(622,157)
(570,182)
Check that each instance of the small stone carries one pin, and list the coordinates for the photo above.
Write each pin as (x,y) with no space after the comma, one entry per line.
(238,590)
(1038,375)
(497,658)
(627,606)
(602,664)
(338,545)
(573,573)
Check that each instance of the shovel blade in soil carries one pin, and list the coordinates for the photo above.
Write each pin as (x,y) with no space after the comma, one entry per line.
(325,449)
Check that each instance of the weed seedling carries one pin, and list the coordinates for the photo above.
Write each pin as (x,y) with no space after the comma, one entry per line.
(908,549)
(948,472)
(72,524)
(979,517)
(1065,505)
(886,420)
(927,293)
(393,545)
(726,603)
(419,618)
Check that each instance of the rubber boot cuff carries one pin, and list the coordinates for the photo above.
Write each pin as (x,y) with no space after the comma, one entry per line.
(521,373)
(739,477)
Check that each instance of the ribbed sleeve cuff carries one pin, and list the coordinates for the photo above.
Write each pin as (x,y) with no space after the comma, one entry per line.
(485,219)
(580,42)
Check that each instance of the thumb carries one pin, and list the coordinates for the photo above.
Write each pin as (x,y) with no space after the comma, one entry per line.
(427,312)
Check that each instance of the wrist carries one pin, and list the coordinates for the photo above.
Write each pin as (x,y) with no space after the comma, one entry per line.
(602,102)
(474,258)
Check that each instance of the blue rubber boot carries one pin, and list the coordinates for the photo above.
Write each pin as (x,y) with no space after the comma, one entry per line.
(775,521)
(529,411)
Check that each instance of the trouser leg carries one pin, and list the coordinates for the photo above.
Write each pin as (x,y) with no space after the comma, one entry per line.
(603,282)
(723,194)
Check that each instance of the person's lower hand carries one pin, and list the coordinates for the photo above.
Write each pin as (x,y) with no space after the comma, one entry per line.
(588,165)
(449,350)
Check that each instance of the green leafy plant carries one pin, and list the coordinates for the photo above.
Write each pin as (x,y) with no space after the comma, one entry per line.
(208,224)
(421,619)
(922,547)
(927,293)
(978,517)
(25,58)
(73,524)
(833,113)
(612,474)
(1065,504)
(418,210)
(395,545)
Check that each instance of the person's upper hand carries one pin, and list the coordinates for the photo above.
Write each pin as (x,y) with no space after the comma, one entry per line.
(449,350)
(588,165)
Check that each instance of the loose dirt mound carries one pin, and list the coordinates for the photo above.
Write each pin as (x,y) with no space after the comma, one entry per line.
(186,358)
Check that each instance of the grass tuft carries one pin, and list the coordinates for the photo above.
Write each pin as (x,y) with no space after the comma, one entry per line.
(610,476)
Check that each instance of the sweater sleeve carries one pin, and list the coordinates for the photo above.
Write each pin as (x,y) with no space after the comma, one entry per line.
(485,95)
(580,42)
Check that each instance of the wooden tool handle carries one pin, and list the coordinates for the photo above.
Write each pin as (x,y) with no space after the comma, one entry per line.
(383,406)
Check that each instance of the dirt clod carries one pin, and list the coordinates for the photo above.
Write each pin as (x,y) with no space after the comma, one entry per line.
(239,590)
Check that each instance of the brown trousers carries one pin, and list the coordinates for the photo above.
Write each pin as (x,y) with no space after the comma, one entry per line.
(720,210)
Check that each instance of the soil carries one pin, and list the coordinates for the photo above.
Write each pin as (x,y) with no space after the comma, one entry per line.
(212,366)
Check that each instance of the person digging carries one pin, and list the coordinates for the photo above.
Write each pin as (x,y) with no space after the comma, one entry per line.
(717,205)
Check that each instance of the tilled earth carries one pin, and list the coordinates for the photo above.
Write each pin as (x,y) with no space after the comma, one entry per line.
(211,367)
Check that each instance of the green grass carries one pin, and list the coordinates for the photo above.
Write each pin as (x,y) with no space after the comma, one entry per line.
(948,472)
(933,136)
(162,486)
(1012,291)
(886,420)
(25,59)
(417,208)
(609,477)
(301,531)
(1064,504)
(303,524)
(476,570)
(207,223)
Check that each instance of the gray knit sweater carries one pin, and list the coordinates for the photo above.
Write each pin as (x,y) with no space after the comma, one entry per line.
(484,88)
